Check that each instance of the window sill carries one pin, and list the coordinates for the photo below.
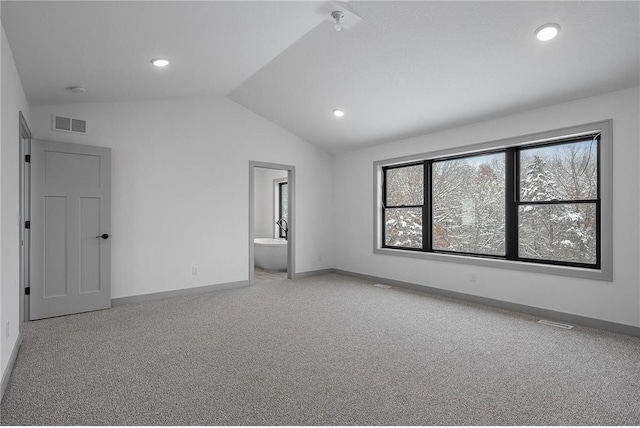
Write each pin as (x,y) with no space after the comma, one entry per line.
(594,274)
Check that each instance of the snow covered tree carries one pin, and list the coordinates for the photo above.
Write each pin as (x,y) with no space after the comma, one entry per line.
(469,199)
(561,231)
(403,225)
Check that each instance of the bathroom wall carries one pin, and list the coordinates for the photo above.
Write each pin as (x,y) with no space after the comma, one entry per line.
(264,219)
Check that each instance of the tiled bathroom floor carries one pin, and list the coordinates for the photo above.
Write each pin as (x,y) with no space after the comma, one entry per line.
(261,275)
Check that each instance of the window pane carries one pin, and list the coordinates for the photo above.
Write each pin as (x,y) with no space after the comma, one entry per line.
(562,232)
(560,172)
(405,186)
(284,201)
(403,227)
(468,204)
(283,209)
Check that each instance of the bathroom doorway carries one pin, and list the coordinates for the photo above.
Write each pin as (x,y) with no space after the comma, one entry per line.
(271,222)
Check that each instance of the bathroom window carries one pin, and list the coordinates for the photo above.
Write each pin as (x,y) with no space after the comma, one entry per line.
(538,203)
(283,209)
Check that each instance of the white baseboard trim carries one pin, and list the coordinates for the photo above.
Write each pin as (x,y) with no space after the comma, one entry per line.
(12,360)
(309,274)
(176,293)
(625,329)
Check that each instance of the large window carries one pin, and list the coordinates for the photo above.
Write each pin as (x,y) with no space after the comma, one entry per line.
(537,201)
(468,204)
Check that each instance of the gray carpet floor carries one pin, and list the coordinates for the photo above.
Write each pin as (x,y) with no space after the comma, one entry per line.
(327,350)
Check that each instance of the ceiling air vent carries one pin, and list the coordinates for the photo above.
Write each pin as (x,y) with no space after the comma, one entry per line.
(68,124)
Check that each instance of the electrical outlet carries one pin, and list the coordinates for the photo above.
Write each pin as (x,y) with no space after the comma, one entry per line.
(194,270)
(474,277)
(7,330)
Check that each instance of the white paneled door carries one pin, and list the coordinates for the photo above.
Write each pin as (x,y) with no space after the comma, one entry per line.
(70,229)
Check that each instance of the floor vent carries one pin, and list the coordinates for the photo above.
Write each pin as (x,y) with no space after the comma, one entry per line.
(68,124)
(556,324)
(381,286)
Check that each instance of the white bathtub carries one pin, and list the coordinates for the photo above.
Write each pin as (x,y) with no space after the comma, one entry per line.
(270,254)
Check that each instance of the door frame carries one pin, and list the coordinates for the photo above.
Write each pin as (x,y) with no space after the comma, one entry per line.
(291,174)
(25,215)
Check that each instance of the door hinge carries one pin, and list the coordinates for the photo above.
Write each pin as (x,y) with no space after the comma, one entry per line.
(27,290)
(27,158)
(27,225)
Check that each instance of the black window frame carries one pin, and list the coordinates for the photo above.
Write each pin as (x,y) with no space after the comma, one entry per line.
(385,206)
(282,233)
(512,202)
(454,157)
(517,202)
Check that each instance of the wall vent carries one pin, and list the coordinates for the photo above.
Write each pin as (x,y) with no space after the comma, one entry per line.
(556,324)
(381,285)
(69,124)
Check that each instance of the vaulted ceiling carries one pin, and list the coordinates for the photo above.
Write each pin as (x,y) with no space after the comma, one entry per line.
(397,69)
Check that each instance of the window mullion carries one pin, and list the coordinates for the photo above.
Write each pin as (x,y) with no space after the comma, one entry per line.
(384,207)
(511,203)
(560,202)
(427,209)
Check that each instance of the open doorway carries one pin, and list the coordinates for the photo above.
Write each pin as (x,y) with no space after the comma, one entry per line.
(271,222)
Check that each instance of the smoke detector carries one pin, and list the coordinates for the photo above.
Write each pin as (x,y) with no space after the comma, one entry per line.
(337,15)
(340,14)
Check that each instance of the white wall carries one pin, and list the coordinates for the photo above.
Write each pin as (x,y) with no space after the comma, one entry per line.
(2,345)
(180,190)
(617,301)
(264,209)
(13,101)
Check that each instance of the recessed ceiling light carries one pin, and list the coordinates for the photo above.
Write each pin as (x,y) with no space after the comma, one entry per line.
(77,89)
(160,62)
(547,32)
(338,112)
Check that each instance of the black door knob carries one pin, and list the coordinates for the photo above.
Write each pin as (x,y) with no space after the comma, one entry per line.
(103,236)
